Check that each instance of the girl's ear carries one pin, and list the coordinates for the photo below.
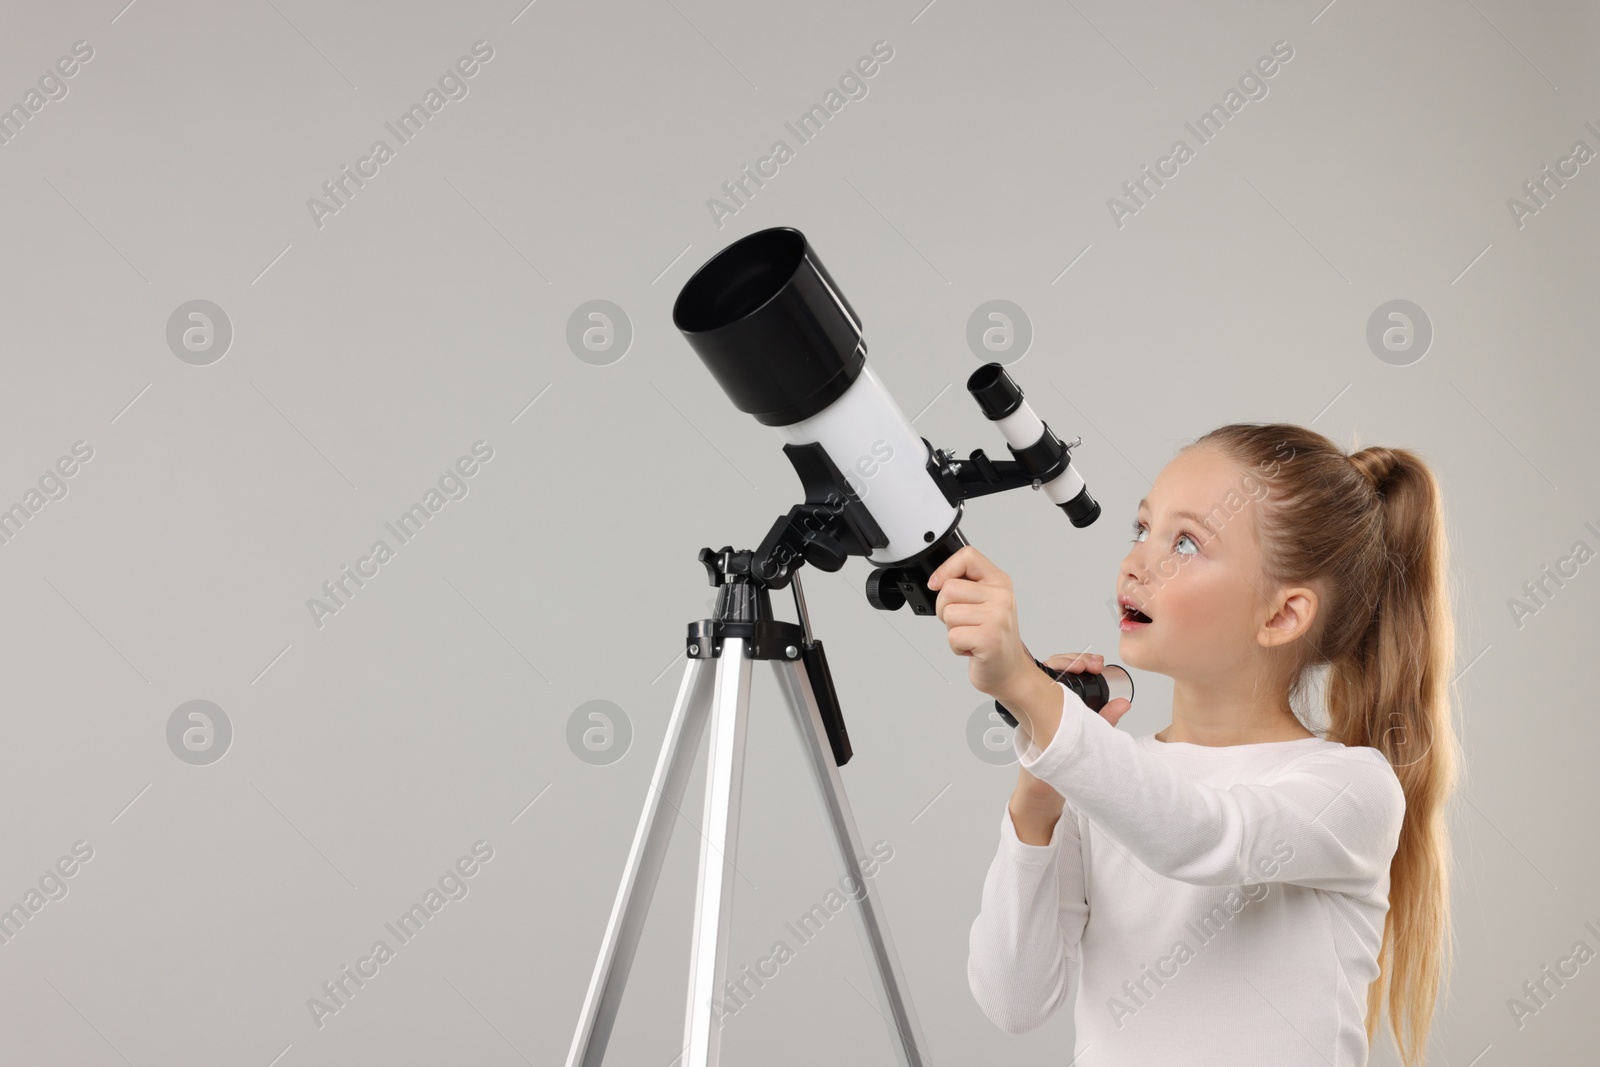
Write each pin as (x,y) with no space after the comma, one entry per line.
(1296,611)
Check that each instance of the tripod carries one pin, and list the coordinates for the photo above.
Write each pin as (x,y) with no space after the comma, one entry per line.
(716,685)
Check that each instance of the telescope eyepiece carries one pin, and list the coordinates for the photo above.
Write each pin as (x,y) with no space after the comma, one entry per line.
(996,392)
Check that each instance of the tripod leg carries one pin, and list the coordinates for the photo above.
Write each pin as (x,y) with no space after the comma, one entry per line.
(639,877)
(702,1028)
(888,980)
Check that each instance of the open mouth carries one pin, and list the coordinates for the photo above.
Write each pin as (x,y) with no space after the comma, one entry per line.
(1132,616)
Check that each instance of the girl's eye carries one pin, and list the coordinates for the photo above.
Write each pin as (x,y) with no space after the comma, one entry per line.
(1138,528)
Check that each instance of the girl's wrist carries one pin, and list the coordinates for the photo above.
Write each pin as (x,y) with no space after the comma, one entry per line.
(1033,822)
(1037,705)
(1034,805)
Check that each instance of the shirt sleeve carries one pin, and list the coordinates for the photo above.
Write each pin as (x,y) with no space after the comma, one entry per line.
(1022,960)
(1329,820)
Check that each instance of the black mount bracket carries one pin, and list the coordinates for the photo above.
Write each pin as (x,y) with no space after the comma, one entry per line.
(833,524)
(979,475)
(826,530)
(744,610)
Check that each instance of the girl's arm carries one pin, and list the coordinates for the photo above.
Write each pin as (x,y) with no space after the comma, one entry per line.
(1022,958)
(1329,820)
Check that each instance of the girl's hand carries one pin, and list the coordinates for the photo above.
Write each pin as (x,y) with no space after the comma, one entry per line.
(1077,662)
(976,604)
(1034,794)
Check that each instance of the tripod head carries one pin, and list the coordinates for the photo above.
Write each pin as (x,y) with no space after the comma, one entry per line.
(744,610)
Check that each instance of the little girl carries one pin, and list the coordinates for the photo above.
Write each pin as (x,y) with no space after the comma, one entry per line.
(1235,889)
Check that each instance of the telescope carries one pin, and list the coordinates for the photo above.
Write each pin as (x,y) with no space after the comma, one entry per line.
(785,345)
(778,335)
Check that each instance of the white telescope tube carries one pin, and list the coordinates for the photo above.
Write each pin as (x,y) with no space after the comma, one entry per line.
(884,460)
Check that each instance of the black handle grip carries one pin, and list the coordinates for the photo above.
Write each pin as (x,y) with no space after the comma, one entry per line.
(1091,687)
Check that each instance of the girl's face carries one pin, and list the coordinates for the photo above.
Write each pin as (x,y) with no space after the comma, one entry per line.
(1194,569)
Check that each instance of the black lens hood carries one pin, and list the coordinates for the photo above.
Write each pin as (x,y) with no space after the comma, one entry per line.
(772,327)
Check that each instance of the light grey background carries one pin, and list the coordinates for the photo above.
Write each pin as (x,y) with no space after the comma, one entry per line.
(432,311)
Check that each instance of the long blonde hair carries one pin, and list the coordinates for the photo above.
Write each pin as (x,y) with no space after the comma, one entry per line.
(1370,526)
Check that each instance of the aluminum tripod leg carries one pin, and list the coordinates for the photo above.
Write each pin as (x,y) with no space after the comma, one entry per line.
(727,703)
(719,839)
(639,877)
(889,985)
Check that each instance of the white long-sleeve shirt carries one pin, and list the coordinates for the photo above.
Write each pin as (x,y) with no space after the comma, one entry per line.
(1196,905)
